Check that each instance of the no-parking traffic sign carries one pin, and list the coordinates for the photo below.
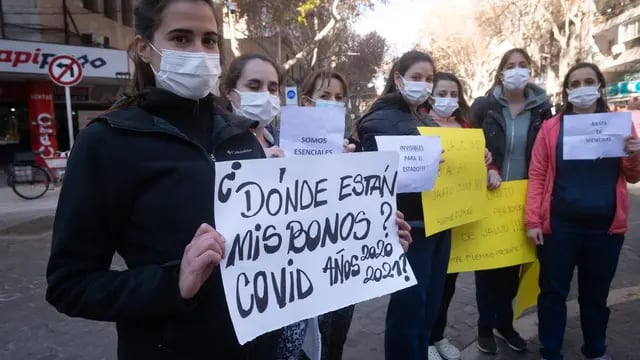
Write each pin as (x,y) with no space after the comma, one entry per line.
(65,70)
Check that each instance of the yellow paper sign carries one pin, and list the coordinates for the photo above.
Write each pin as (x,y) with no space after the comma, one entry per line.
(459,196)
(498,240)
(528,289)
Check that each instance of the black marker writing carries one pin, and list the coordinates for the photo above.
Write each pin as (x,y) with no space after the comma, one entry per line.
(341,268)
(321,233)
(252,293)
(369,185)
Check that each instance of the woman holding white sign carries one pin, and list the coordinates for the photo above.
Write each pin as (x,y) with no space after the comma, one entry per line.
(252,86)
(140,183)
(325,88)
(400,109)
(577,219)
(510,115)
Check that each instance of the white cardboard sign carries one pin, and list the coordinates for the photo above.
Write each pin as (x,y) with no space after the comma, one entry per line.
(594,136)
(419,160)
(303,241)
(311,130)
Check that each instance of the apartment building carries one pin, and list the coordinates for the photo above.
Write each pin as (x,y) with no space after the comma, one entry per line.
(616,32)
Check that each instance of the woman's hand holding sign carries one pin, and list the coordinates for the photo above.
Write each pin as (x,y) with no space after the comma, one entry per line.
(201,256)
(632,145)
(493,179)
(274,151)
(348,147)
(404,231)
(488,157)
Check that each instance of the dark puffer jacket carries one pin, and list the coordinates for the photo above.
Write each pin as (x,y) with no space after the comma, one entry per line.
(391,115)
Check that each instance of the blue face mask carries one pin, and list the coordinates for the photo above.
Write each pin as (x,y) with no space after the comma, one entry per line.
(328,103)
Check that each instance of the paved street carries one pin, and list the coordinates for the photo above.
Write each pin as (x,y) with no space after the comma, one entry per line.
(20,216)
(30,329)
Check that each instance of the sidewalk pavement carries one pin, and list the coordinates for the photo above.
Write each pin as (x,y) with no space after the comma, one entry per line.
(31,329)
(26,217)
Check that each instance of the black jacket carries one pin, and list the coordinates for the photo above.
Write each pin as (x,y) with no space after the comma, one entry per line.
(391,115)
(486,113)
(138,186)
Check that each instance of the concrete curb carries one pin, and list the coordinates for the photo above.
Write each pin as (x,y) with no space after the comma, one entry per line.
(527,325)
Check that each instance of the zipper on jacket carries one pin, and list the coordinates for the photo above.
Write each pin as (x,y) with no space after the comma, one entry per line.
(196,110)
(513,136)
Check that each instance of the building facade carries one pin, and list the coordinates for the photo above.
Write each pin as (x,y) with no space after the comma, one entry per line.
(32,32)
(617,35)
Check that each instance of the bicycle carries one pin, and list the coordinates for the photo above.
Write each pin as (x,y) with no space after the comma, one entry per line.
(30,175)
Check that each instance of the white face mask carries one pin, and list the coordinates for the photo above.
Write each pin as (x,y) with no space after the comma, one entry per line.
(584,96)
(258,106)
(328,103)
(445,106)
(416,92)
(516,78)
(190,75)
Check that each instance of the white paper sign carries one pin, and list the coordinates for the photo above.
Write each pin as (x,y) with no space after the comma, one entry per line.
(594,136)
(307,130)
(303,241)
(419,160)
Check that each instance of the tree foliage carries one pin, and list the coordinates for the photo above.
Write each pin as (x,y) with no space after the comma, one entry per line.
(556,33)
(307,29)
(365,54)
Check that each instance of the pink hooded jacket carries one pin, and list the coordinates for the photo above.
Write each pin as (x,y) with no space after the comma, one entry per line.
(542,174)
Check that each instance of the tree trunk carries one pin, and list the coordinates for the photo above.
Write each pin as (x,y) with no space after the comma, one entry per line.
(335,19)
(221,46)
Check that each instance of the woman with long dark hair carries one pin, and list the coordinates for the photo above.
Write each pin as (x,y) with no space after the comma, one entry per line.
(397,111)
(448,108)
(577,214)
(510,115)
(329,88)
(140,182)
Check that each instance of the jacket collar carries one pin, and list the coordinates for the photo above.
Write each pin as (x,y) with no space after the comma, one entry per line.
(145,115)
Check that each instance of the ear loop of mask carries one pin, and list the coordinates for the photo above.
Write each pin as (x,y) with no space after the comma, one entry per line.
(158,52)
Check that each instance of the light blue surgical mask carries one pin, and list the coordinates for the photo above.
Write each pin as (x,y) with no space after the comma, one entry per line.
(328,103)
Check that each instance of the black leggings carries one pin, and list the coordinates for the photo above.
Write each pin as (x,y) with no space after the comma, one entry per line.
(437,333)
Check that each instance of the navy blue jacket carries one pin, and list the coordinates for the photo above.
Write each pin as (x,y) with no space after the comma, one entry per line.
(139,185)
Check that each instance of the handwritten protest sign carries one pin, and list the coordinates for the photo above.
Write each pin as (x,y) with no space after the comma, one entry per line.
(419,159)
(528,289)
(311,130)
(498,240)
(594,136)
(302,241)
(459,196)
